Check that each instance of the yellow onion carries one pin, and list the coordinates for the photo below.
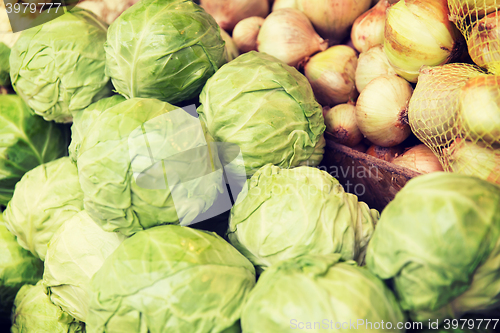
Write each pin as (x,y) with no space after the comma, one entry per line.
(331,74)
(371,64)
(417,33)
(333,19)
(382,110)
(419,158)
(480,109)
(433,108)
(278,4)
(368,29)
(245,33)
(340,121)
(288,35)
(484,43)
(106,10)
(228,13)
(471,10)
(385,153)
(474,159)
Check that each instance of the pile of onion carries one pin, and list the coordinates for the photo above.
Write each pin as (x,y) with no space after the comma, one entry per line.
(245,33)
(470,10)
(433,108)
(331,74)
(419,158)
(371,64)
(385,153)
(341,123)
(227,13)
(418,33)
(288,35)
(382,110)
(368,29)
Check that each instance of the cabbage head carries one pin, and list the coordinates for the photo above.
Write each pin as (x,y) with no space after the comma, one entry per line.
(438,242)
(143,163)
(267,109)
(59,67)
(4,64)
(83,122)
(76,251)
(170,279)
(26,141)
(17,268)
(34,312)
(316,293)
(163,49)
(44,199)
(287,213)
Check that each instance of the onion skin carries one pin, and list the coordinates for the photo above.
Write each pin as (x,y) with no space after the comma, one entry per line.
(419,158)
(472,159)
(340,121)
(480,109)
(461,10)
(333,19)
(371,64)
(434,105)
(368,29)
(385,153)
(382,110)
(288,35)
(278,4)
(245,33)
(331,74)
(418,33)
(227,13)
(484,43)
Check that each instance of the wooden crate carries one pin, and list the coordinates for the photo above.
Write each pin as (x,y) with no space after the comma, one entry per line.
(374,181)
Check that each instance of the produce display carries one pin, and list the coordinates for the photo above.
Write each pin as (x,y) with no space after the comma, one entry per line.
(180,166)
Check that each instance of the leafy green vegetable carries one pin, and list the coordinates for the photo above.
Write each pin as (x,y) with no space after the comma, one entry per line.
(232,51)
(316,293)
(26,141)
(267,109)
(17,267)
(287,213)
(58,67)
(34,312)
(170,279)
(4,64)
(76,251)
(439,242)
(83,122)
(164,49)
(44,199)
(144,163)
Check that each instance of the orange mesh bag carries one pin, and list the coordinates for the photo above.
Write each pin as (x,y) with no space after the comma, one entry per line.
(455,111)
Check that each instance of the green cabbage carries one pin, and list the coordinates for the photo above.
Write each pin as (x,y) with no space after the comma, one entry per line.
(438,241)
(286,213)
(144,163)
(317,293)
(44,199)
(4,64)
(34,312)
(76,251)
(17,267)
(170,279)
(58,67)
(26,141)
(164,49)
(83,122)
(267,109)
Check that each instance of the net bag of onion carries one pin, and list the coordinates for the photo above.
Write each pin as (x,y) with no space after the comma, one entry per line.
(455,111)
(479,22)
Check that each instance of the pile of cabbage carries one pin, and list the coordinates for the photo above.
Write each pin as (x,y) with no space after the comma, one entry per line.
(123,148)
